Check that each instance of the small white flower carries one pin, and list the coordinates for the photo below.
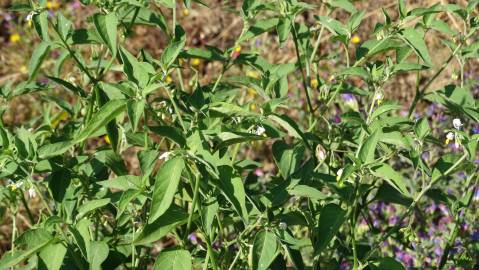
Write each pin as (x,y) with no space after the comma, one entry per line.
(320,153)
(339,173)
(32,193)
(450,136)
(165,156)
(283,225)
(260,130)
(30,15)
(457,123)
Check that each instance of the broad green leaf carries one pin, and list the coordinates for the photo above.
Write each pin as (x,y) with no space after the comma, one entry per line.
(417,43)
(38,56)
(208,214)
(421,128)
(283,28)
(394,178)
(402,8)
(384,108)
(135,110)
(405,67)
(166,184)
(307,192)
(98,253)
(286,158)
(166,3)
(229,138)
(388,263)
(233,189)
(173,259)
(106,113)
(54,149)
(172,218)
(366,153)
(373,46)
(356,71)
(33,240)
(344,4)
(330,220)
(91,206)
(265,249)
(355,20)
(52,256)
(69,86)
(124,182)
(334,26)
(258,28)
(134,70)
(171,52)
(208,53)
(106,26)
(169,132)
(40,22)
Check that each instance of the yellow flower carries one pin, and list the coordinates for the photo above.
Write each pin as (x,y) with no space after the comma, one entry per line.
(23,69)
(107,139)
(252,74)
(314,83)
(53,5)
(237,49)
(62,116)
(252,107)
(251,92)
(14,38)
(13,187)
(186,12)
(195,62)
(355,39)
(168,79)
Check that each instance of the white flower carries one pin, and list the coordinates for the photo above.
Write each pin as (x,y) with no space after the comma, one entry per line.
(32,193)
(449,137)
(339,173)
(260,130)
(457,123)
(320,153)
(14,186)
(165,156)
(283,225)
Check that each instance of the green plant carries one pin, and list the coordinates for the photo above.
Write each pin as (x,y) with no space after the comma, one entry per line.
(204,194)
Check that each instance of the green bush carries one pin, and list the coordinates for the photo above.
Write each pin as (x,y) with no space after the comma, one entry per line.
(198,201)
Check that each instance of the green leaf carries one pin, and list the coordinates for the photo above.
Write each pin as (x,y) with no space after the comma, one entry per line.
(265,249)
(330,220)
(366,153)
(356,71)
(344,4)
(307,192)
(388,263)
(402,8)
(91,206)
(123,182)
(171,52)
(135,110)
(38,56)
(52,256)
(355,20)
(421,128)
(106,113)
(34,240)
(416,41)
(173,259)
(54,149)
(133,69)
(166,184)
(69,86)
(233,188)
(106,26)
(40,22)
(384,108)
(334,26)
(172,218)
(405,67)
(166,3)
(98,253)
(283,28)
(171,133)
(373,46)
(258,28)
(394,178)
(286,158)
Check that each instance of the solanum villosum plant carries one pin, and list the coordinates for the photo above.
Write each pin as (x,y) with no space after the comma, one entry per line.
(200,197)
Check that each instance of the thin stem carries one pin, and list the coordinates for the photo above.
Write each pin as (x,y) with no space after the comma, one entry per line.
(29,213)
(411,207)
(300,63)
(195,201)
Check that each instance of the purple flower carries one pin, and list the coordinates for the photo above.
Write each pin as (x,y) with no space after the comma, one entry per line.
(475,236)
(344,265)
(193,238)
(348,97)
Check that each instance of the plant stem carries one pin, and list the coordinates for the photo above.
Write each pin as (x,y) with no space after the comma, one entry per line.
(411,207)
(300,63)
(455,230)
(195,201)
(29,213)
